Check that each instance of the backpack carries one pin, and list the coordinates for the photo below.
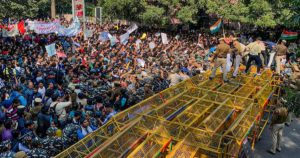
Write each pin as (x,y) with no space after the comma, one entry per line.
(53,113)
(44,101)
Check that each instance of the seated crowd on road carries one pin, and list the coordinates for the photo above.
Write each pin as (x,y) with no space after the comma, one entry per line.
(50,103)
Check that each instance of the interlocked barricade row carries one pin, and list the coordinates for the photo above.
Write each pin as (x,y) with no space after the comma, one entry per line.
(194,118)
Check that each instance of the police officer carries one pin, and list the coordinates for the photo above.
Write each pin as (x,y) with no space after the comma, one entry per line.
(37,151)
(70,134)
(5,151)
(51,143)
(254,55)
(281,52)
(239,51)
(277,124)
(220,59)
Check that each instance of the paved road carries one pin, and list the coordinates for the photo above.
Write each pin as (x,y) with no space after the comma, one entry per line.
(290,143)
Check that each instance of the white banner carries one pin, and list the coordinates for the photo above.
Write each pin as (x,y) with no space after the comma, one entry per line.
(11,33)
(45,28)
(72,30)
(164,38)
(124,38)
(132,28)
(51,49)
(55,27)
(137,43)
(88,34)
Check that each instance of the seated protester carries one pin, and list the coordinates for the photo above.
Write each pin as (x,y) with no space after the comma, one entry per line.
(110,112)
(84,129)
(6,134)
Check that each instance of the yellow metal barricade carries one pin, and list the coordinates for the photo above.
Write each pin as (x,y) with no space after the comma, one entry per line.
(195,118)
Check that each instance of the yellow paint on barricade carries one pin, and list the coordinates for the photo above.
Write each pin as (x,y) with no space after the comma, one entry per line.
(195,118)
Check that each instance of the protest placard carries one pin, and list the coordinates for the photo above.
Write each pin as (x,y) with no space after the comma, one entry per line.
(164,38)
(50,49)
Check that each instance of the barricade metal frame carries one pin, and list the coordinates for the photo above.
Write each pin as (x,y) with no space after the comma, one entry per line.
(194,118)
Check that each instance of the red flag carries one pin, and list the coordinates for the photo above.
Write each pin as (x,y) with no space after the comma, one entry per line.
(61,55)
(79,7)
(21,27)
(80,13)
(84,62)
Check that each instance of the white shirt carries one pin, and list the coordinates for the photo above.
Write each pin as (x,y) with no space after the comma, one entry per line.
(60,109)
(174,78)
(42,91)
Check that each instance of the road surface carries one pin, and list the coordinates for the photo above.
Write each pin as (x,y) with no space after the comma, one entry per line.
(290,143)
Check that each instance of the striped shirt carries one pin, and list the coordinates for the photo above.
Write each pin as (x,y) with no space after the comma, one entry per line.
(12,113)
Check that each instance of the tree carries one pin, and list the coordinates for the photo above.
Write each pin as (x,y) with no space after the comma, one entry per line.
(32,8)
(121,9)
(21,9)
(261,13)
(154,16)
(287,12)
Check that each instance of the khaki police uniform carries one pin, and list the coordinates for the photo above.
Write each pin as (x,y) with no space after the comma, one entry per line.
(240,49)
(281,50)
(220,59)
(277,124)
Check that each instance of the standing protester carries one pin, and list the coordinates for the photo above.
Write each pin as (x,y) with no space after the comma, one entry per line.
(281,52)
(254,55)
(219,59)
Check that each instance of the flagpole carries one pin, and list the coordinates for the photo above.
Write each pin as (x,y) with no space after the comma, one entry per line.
(84,22)
(223,28)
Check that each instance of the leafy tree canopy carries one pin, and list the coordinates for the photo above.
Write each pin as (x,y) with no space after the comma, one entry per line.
(263,13)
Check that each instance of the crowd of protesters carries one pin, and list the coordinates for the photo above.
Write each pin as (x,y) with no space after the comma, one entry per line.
(49,103)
